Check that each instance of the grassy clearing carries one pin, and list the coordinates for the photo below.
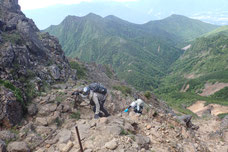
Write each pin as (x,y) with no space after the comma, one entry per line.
(124,89)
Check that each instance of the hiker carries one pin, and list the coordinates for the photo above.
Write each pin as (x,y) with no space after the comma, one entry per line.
(186,120)
(96,94)
(137,105)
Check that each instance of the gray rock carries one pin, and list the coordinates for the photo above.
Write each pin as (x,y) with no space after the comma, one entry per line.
(224,123)
(112,130)
(18,147)
(47,109)
(52,119)
(10,109)
(11,4)
(64,136)
(2,146)
(41,121)
(7,135)
(142,141)
(32,110)
(64,107)
(55,72)
(43,130)
(88,150)
(29,50)
(84,130)
(112,145)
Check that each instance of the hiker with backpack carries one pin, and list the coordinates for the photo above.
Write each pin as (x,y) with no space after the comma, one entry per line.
(137,105)
(97,94)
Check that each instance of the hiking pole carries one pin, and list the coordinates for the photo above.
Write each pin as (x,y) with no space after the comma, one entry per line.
(79,140)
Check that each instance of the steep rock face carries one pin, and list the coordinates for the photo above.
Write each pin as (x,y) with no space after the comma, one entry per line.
(26,55)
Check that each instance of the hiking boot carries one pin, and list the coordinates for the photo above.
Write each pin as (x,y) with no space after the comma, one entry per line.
(107,115)
(96,116)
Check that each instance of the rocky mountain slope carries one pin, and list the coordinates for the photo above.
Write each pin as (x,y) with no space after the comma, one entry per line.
(52,117)
(29,61)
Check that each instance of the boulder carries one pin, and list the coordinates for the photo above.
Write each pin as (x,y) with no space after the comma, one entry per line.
(112,145)
(64,136)
(32,109)
(18,147)
(55,72)
(41,121)
(68,147)
(112,130)
(7,135)
(47,109)
(52,119)
(10,108)
(43,130)
(142,141)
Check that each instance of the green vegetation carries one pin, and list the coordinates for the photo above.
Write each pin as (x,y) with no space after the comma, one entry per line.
(222,94)
(182,27)
(220,30)
(207,60)
(14,38)
(147,94)
(124,132)
(60,97)
(75,115)
(17,92)
(221,116)
(108,71)
(58,122)
(147,56)
(124,89)
(81,71)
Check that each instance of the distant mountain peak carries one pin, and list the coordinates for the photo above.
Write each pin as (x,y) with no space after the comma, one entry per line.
(111,16)
(92,15)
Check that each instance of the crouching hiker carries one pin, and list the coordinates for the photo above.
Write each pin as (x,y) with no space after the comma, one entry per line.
(97,95)
(186,120)
(137,105)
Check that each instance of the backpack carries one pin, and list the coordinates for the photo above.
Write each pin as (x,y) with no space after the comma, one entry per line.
(98,88)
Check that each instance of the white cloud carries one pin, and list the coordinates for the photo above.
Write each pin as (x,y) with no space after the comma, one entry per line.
(150,11)
(35,4)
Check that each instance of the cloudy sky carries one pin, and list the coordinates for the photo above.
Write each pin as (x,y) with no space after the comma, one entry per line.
(35,4)
(52,12)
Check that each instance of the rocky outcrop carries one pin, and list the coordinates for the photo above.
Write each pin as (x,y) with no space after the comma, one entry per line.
(10,109)
(18,147)
(27,58)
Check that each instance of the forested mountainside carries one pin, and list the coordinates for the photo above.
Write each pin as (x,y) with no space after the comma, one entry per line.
(200,70)
(140,54)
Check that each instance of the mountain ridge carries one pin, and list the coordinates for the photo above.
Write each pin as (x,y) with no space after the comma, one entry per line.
(103,40)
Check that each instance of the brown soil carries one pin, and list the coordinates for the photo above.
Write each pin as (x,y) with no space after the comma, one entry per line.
(210,89)
(185,88)
(199,108)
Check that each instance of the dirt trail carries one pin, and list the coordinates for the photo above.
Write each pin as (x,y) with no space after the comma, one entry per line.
(210,89)
(199,108)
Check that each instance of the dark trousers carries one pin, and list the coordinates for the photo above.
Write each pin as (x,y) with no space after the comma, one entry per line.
(101,108)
